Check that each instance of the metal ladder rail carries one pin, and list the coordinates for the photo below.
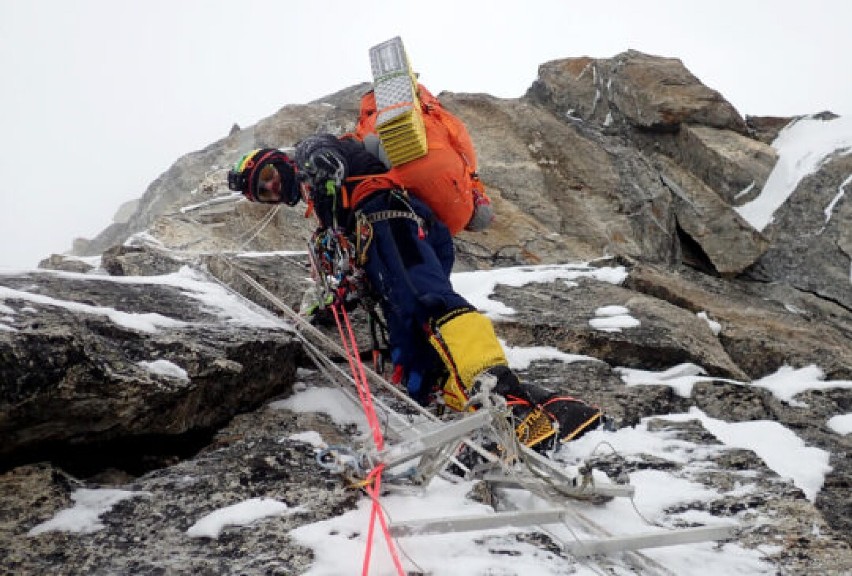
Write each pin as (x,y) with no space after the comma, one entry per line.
(315,339)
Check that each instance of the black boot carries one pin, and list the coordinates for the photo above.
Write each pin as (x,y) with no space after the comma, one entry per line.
(543,418)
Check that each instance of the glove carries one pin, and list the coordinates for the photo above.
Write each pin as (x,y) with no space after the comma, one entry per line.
(313,302)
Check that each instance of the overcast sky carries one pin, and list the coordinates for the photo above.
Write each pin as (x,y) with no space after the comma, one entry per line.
(100,97)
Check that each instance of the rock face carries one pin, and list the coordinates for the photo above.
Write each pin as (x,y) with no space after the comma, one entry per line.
(646,92)
(90,361)
(140,361)
(812,245)
(251,453)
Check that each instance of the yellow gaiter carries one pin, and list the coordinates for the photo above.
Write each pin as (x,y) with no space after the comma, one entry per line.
(467,344)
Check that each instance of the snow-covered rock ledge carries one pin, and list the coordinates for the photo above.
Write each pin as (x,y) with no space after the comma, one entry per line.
(90,358)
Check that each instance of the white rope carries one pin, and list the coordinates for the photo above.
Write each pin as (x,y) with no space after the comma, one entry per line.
(264,222)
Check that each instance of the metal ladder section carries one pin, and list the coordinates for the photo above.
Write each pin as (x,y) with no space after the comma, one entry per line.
(539,475)
(431,447)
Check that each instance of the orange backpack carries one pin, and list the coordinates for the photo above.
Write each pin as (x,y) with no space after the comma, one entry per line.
(445,178)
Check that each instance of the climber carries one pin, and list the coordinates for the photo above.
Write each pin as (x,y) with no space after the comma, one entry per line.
(439,343)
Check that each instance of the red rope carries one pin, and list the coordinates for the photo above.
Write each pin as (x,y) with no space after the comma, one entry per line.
(374,478)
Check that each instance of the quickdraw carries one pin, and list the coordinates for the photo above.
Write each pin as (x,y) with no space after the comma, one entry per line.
(334,268)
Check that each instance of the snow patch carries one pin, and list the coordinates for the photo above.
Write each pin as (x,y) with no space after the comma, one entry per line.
(715,327)
(787,382)
(141,322)
(681,378)
(241,514)
(613,319)
(803,147)
(841,191)
(779,448)
(478,286)
(520,358)
(842,424)
(84,517)
(165,368)
(310,437)
(331,401)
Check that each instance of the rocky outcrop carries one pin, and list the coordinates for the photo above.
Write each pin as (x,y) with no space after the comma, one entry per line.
(734,166)
(128,260)
(88,360)
(644,91)
(721,241)
(68,264)
(811,246)
(259,455)
(691,139)
(253,454)
(765,328)
(766,128)
(651,171)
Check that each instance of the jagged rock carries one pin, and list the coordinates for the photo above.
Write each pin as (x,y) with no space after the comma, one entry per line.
(553,315)
(139,261)
(563,188)
(564,178)
(722,236)
(252,457)
(761,331)
(811,246)
(87,359)
(125,211)
(826,115)
(648,92)
(66,263)
(257,456)
(733,166)
(630,156)
(766,128)
(287,276)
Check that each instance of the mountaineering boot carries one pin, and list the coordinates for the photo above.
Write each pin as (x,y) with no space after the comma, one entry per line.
(543,419)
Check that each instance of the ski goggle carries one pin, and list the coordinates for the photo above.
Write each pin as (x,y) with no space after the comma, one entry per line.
(266,175)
